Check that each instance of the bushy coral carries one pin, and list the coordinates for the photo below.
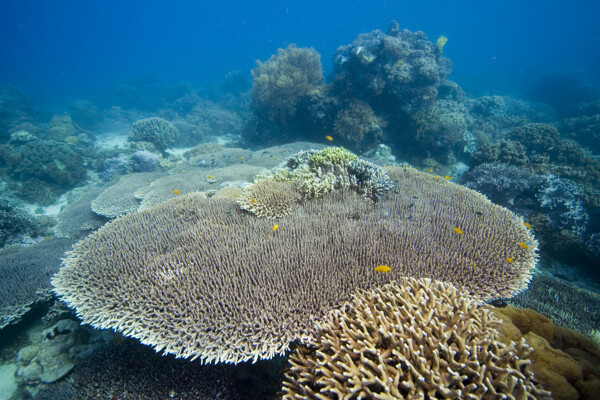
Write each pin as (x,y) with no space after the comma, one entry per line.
(281,86)
(60,128)
(155,130)
(357,125)
(397,70)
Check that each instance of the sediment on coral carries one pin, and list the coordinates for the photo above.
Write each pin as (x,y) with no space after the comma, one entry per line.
(155,130)
(430,340)
(200,278)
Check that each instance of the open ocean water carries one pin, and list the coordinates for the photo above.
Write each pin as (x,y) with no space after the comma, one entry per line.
(204,200)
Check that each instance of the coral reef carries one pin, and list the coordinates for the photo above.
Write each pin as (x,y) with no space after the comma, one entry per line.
(61,128)
(584,125)
(357,125)
(317,172)
(76,220)
(160,132)
(120,197)
(25,273)
(222,285)
(397,70)
(114,166)
(16,224)
(85,114)
(430,340)
(47,169)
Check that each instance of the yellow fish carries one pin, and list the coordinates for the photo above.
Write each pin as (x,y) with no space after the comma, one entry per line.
(441,42)
(210,177)
(458,230)
(275,227)
(329,138)
(176,192)
(253,200)
(527,225)
(430,170)
(509,260)
(183,171)
(447,177)
(241,157)
(523,245)
(148,180)
(475,265)
(382,268)
(436,177)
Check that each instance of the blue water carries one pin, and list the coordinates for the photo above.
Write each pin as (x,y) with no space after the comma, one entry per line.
(62,50)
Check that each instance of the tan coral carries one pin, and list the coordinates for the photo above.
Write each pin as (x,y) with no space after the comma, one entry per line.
(269,198)
(200,278)
(414,338)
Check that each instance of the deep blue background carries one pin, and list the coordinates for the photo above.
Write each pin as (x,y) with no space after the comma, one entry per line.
(62,50)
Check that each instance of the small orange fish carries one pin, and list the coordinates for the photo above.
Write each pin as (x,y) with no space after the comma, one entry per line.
(329,138)
(241,157)
(458,230)
(382,268)
(275,227)
(210,177)
(430,170)
(447,177)
(436,177)
(509,260)
(523,245)
(527,225)
(253,200)
(176,192)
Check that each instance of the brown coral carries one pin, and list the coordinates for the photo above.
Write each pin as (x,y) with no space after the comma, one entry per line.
(415,338)
(200,278)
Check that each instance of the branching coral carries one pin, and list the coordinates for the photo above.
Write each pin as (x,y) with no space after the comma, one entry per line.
(200,278)
(412,339)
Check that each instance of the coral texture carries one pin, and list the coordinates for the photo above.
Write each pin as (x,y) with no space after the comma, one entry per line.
(269,198)
(414,338)
(25,273)
(155,130)
(200,278)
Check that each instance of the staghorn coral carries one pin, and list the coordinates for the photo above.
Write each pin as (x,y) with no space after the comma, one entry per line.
(414,338)
(25,273)
(200,278)
(269,198)
(158,131)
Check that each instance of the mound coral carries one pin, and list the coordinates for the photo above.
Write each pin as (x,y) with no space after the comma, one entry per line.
(415,338)
(200,278)
(47,169)
(158,131)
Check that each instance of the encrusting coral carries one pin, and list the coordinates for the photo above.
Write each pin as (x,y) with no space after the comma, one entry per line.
(414,338)
(201,278)
(269,198)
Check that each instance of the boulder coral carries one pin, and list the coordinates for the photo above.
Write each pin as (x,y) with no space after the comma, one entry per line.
(158,131)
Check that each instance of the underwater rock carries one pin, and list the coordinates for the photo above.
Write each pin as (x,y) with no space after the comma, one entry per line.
(114,166)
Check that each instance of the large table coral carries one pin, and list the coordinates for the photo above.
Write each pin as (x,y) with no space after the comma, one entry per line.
(201,278)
